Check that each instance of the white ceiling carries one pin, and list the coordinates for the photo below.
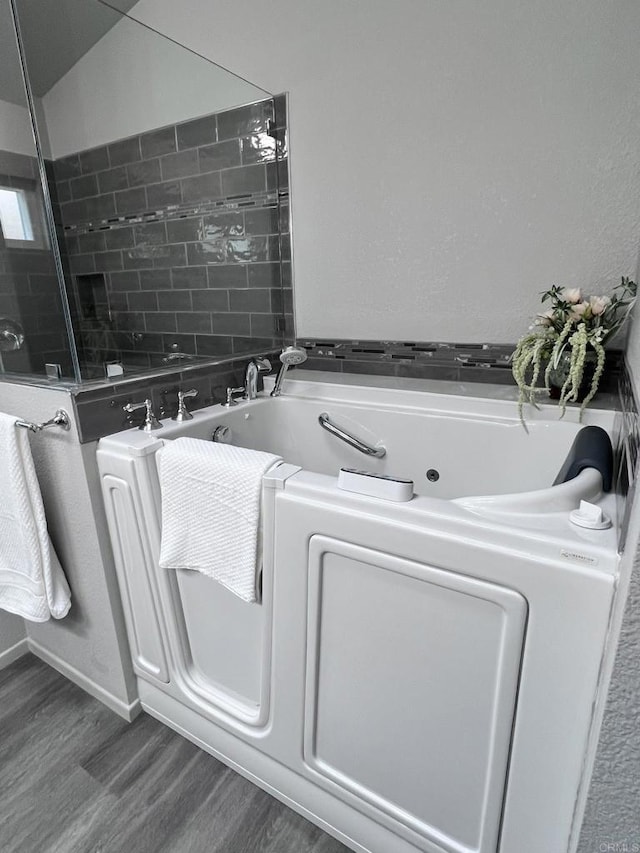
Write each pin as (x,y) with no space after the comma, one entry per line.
(56,34)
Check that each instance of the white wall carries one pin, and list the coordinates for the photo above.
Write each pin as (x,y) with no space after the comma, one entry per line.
(450,160)
(131,81)
(89,645)
(15,129)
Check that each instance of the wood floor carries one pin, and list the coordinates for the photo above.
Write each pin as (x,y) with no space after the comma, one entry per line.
(75,778)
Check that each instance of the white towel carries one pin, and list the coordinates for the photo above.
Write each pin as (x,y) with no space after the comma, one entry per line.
(211,497)
(32,583)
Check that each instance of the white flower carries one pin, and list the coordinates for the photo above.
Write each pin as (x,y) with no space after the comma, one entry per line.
(599,304)
(578,311)
(571,295)
(544,319)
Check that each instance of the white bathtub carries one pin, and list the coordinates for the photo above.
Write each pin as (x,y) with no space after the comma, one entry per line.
(418,676)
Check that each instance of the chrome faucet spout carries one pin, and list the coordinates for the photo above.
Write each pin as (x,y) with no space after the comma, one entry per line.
(254,368)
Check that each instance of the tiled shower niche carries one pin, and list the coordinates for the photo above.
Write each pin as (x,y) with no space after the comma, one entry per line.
(175,242)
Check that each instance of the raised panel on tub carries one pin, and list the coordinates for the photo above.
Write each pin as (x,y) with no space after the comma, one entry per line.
(130,552)
(412,675)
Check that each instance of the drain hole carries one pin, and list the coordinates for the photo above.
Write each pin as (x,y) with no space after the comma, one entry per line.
(432,475)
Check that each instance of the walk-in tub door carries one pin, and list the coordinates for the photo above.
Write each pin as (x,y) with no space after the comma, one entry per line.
(412,675)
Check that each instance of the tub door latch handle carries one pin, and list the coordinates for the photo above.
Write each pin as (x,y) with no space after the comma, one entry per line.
(326,423)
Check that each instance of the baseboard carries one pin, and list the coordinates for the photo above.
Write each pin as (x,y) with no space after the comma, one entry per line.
(128,711)
(13,653)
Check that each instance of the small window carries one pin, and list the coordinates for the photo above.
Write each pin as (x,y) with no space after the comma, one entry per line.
(21,219)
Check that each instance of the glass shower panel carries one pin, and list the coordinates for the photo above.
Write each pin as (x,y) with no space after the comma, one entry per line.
(33,333)
(165,192)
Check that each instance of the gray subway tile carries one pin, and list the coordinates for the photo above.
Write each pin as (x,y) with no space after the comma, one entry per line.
(252,249)
(172,255)
(118,300)
(186,230)
(258,148)
(250,301)
(108,261)
(214,345)
(263,325)
(178,342)
(189,278)
(161,195)
(202,187)
(243,121)
(161,321)
(150,234)
(244,180)
(221,155)
(79,264)
(100,207)
(113,179)
(124,151)
(94,160)
(131,201)
(74,212)
(118,238)
(63,191)
(139,258)
(83,187)
(264,275)
(174,300)
(143,173)
(206,252)
(262,221)
(179,165)
(210,300)
(231,324)
(201,131)
(156,142)
(92,241)
(228,276)
(143,300)
(193,322)
(128,280)
(217,225)
(66,167)
(155,280)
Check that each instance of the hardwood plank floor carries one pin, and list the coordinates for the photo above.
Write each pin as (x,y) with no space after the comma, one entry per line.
(75,778)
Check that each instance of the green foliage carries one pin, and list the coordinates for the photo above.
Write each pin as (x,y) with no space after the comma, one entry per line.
(568,331)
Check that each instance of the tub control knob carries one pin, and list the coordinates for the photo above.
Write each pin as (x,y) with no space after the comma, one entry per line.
(591,516)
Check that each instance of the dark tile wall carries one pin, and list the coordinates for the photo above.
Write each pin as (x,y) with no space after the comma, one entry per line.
(99,410)
(29,289)
(187,228)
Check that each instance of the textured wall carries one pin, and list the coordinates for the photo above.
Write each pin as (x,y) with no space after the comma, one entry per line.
(612,815)
(448,160)
(92,638)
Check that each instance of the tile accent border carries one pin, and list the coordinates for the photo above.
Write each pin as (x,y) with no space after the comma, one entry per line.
(626,449)
(452,362)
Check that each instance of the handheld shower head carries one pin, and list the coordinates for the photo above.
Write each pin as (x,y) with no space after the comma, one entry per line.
(293,355)
(289,356)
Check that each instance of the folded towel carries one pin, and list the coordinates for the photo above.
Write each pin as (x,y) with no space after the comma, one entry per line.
(211,497)
(32,583)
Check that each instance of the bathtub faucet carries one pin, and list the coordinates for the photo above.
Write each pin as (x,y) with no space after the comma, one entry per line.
(255,367)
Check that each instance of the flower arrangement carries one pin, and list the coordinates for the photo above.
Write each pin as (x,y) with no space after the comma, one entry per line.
(573,330)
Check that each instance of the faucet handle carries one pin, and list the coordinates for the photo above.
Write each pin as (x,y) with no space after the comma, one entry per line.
(232,393)
(183,414)
(183,395)
(263,365)
(150,421)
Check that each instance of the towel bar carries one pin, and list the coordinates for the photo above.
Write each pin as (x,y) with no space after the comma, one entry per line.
(61,419)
